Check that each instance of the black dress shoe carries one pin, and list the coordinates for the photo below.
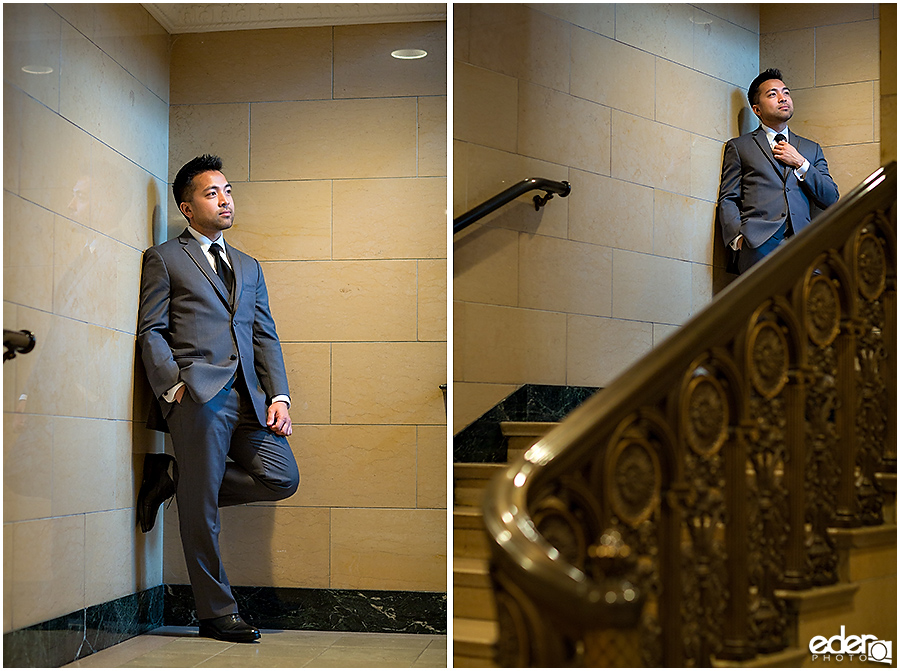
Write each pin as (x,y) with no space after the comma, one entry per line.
(156,487)
(229,628)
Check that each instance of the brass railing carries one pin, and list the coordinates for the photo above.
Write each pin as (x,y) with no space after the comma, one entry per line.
(666,521)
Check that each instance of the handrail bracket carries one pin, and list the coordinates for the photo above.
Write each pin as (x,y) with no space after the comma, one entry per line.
(540,201)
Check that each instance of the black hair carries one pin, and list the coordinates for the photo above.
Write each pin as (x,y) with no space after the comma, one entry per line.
(183,186)
(753,91)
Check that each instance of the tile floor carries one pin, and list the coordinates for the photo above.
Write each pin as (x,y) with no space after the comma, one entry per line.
(179,647)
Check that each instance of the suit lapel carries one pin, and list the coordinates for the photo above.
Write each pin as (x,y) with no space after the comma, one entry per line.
(238,269)
(195,251)
(763,142)
(794,140)
(798,142)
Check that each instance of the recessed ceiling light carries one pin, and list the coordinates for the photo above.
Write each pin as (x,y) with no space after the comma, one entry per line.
(409,54)
(37,69)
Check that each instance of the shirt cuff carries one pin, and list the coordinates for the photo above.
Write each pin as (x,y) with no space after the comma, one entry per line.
(282,397)
(169,396)
(801,171)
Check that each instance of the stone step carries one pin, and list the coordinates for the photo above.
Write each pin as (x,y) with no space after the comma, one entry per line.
(812,611)
(866,553)
(888,481)
(888,484)
(469,536)
(462,662)
(864,599)
(470,481)
(474,642)
(522,435)
(473,596)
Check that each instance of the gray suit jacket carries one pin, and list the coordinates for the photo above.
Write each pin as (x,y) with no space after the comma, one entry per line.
(188,330)
(757,192)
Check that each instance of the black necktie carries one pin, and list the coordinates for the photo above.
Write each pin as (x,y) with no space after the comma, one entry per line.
(222,269)
(781,138)
(789,230)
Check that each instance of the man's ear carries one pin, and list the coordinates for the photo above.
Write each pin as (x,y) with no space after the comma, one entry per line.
(185,210)
(755,109)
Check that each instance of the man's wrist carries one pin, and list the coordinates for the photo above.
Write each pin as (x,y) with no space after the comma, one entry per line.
(283,398)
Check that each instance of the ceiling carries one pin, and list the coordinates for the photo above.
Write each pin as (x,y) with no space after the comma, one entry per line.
(196,18)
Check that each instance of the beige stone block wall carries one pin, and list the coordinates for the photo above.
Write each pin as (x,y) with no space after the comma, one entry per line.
(337,155)
(830,57)
(401,549)
(84,175)
(887,23)
(631,104)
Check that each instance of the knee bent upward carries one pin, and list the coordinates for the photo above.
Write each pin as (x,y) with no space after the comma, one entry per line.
(283,485)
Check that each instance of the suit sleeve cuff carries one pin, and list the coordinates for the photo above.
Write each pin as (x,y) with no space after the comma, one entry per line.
(169,396)
(282,397)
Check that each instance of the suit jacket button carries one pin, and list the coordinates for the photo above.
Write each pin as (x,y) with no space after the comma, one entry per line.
(233,357)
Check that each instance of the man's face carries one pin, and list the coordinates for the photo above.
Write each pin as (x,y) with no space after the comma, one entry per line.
(211,207)
(775,106)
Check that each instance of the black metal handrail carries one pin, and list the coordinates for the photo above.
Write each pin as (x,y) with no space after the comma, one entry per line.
(550,187)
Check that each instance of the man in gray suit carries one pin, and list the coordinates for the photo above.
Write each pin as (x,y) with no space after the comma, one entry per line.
(771,178)
(214,362)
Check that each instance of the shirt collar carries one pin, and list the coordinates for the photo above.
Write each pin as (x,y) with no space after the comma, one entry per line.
(204,241)
(770,134)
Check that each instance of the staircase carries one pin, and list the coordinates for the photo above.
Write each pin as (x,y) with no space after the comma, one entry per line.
(474,610)
(867,568)
(863,601)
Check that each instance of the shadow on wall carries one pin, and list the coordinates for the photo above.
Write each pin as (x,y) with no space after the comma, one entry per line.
(746,122)
(148,572)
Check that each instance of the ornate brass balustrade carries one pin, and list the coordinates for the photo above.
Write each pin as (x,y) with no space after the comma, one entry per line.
(661,522)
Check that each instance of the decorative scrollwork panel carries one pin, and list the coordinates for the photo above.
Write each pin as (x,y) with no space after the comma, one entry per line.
(826,304)
(768,359)
(872,415)
(567,514)
(704,576)
(767,525)
(629,474)
(633,480)
(822,316)
(527,637)
(706,414)
(768,354)
(822,477)
(870,264)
